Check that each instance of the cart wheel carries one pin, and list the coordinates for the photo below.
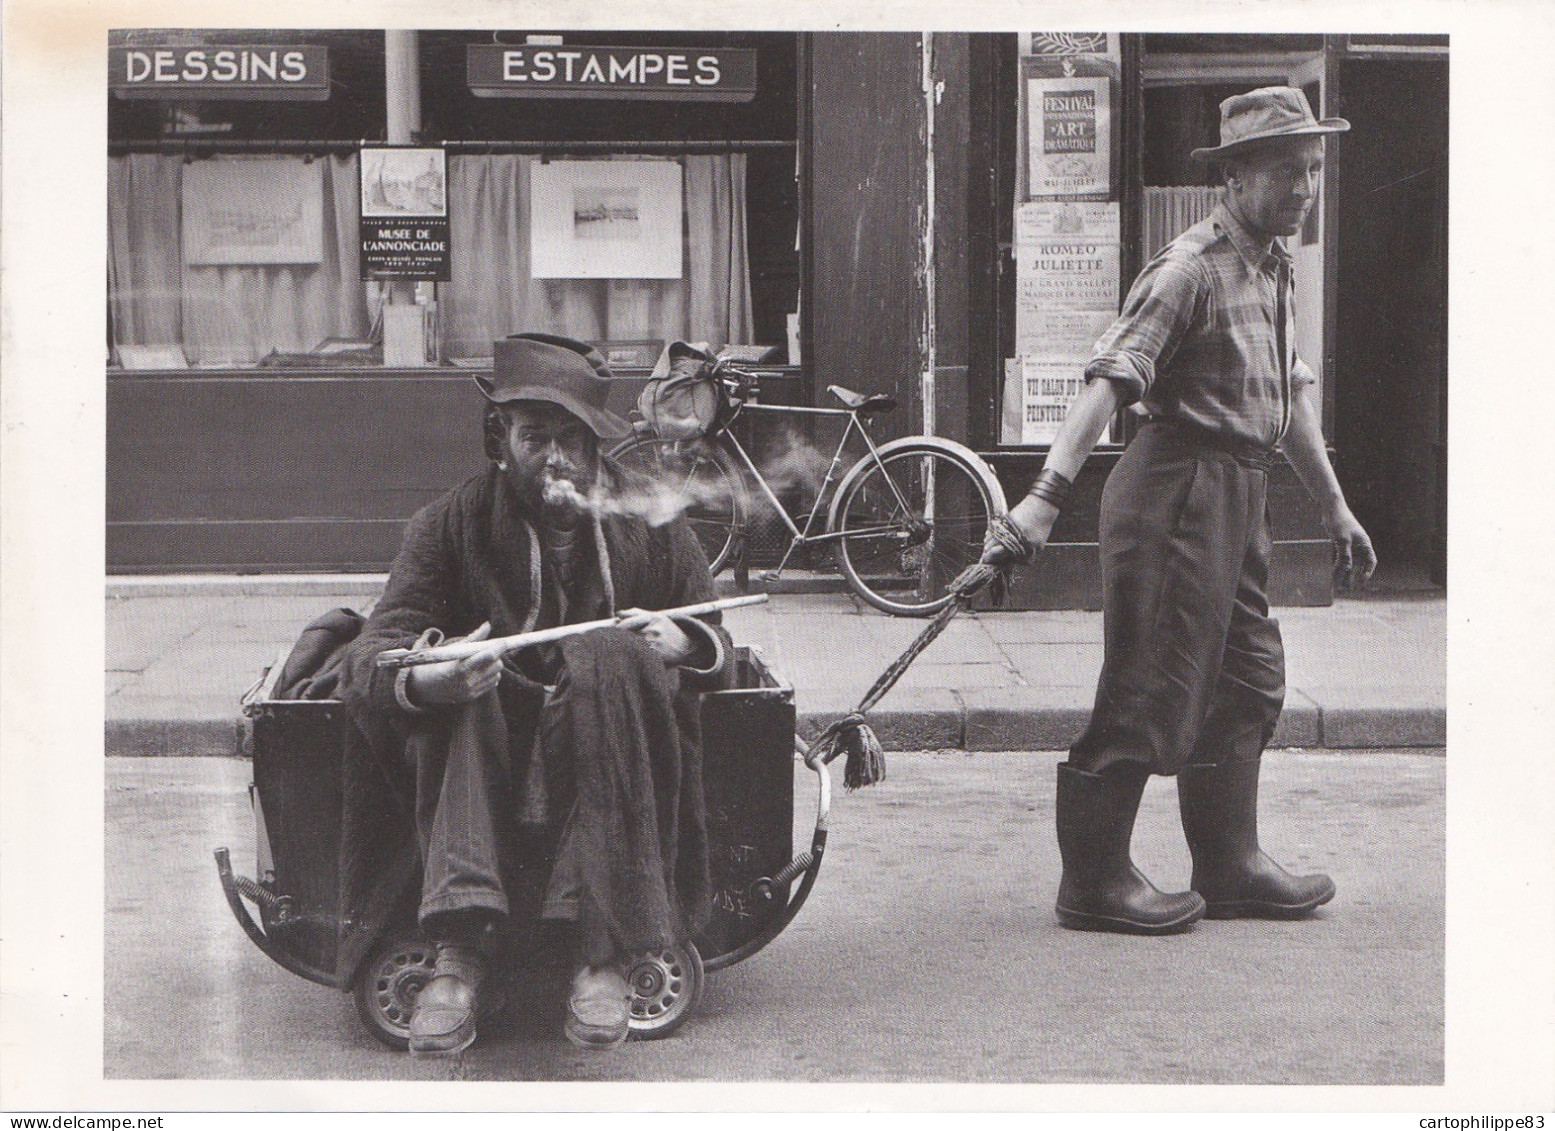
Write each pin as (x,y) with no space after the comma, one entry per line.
(391,979)
(665,986)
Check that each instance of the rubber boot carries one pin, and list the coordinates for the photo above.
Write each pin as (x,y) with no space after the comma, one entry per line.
(1101,889)
(1236,878)
(443,1022)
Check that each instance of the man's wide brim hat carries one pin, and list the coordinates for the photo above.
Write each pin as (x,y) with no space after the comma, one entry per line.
(559,371)
(1264,115)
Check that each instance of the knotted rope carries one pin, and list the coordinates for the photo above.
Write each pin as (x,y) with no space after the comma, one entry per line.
(852,735)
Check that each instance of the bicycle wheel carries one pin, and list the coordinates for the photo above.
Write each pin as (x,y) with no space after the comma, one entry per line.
(692,478)
(910,523)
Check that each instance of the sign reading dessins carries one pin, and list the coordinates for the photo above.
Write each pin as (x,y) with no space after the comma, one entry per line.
(208,71)
(716,74)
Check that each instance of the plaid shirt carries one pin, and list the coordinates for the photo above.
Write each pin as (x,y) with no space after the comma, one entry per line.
(1196,338)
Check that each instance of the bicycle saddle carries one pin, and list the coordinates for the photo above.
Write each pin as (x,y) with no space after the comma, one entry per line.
(861,404)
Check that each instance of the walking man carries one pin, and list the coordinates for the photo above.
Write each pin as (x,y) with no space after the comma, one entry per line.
(1192,680)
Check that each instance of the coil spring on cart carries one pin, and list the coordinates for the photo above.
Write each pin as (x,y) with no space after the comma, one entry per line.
(279,906)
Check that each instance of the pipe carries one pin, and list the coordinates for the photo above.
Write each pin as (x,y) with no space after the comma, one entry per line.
(402,126)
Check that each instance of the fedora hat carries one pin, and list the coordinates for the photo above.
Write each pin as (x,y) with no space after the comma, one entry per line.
(1266,114)
(546,367)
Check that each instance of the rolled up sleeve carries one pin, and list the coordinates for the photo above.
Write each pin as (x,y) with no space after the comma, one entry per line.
(1157,313)
(709,667)
(1301,374)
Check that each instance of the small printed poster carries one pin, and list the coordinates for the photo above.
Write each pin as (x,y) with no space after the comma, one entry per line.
(1066,273)
(1069,335)
(1069,136)
(1043,219)
(605,220)
(404,222)
(1073,45)
(1047,390)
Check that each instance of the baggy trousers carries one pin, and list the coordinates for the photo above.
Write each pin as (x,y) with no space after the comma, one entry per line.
(464,789)
(629,852)
(1193,668)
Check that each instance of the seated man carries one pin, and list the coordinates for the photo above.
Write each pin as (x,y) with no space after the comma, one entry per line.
(564,781)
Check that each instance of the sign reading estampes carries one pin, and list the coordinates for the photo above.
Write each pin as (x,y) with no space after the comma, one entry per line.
(723,74)
(250,71)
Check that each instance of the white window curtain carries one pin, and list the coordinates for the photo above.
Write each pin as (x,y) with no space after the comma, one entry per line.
(145,292)
(492,293)
(1169,212)
(226,315)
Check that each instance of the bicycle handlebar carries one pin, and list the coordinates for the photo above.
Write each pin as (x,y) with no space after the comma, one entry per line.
(736,381)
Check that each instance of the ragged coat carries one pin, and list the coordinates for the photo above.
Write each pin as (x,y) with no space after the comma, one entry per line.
(470,557)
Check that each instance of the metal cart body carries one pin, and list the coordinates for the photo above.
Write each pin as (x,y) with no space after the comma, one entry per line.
(748,756)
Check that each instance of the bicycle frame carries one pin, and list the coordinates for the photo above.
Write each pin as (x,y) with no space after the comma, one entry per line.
(803,536)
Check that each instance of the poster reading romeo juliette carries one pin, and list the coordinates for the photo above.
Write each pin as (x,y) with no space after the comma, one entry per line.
(1069,136)
(1067,262)
(1066,272)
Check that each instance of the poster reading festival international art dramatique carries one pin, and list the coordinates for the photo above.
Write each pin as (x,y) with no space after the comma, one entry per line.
(1069,136)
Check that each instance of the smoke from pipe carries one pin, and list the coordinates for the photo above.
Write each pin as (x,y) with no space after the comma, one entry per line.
(684,481)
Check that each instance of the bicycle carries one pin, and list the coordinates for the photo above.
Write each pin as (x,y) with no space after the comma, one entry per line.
(904,520)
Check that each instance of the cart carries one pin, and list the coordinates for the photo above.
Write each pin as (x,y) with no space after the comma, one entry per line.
(759,883)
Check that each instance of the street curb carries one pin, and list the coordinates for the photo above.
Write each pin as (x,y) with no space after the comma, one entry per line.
(364,585)
(165,738)
(369,585)
(979,723)
(1356,728)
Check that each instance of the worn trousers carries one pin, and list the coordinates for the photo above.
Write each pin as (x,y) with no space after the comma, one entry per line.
(1193,669)
(620,844)
(464,801)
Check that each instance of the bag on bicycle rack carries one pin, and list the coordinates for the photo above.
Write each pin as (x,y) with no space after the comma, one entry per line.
(683,400)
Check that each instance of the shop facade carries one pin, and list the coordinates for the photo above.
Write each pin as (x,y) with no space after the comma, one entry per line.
(943,218)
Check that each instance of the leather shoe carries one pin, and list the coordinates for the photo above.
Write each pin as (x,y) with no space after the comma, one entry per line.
(443,1022)
(599,1008)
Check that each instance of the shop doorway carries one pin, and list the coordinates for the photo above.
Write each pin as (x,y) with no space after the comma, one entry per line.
(1390,348)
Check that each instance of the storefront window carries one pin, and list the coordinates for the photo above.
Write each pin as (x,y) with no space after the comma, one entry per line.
(1186,77)
(1082,228)
(234,234)
(228,260)
(497,222)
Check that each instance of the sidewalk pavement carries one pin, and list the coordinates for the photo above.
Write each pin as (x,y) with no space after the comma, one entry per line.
(1365,673)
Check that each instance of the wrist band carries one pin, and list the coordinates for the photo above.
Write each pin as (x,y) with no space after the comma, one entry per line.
(1052,487)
